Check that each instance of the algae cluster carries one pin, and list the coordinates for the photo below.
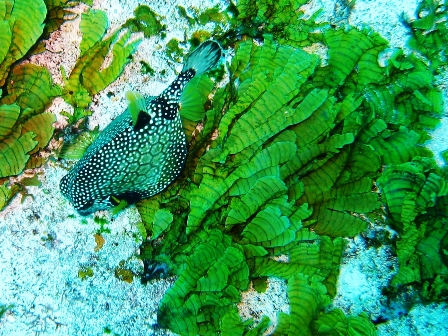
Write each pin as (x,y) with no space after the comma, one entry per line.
(289,162)
(27,90)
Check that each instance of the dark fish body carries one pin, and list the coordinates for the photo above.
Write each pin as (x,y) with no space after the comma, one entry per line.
(137,156)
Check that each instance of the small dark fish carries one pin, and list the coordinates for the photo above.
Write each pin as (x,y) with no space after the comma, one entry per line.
(142,151)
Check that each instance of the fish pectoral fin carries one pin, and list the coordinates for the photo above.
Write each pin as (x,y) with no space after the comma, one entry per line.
(136,105)
(77,149)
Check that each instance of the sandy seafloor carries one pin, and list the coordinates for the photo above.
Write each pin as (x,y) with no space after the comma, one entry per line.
(42,249)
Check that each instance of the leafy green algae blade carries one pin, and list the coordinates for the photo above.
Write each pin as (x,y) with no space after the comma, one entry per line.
(13,152)
(26,26)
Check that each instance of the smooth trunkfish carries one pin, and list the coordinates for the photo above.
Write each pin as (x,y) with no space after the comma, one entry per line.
(142,151)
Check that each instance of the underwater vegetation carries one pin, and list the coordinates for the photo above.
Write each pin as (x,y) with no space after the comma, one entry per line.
(27,89)
(294,153)
(300,155)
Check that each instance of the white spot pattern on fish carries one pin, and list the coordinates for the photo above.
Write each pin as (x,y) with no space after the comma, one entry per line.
(135,159)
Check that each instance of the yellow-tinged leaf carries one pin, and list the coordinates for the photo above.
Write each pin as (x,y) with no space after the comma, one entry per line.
(99,240)
(31,87)
(42,126)
(6,193)
(8,117)
(13,153)
(93,26)
(27,24)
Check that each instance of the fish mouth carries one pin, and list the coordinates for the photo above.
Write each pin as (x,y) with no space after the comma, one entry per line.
(92,206)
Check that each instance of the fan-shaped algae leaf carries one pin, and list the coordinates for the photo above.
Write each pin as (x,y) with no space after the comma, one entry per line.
(264,189)
(336,323)
(194,97)
(6,36)
(344,55)
(162,220)
(13,152)
(7,193)
(307,295)
(26,26)
(93,27)
(89,76)
(41,125)
(31,86)
(8,117)
(267,225)
(203,198)
(202,296)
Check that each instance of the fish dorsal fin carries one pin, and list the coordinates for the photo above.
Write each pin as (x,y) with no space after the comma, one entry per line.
(137,105)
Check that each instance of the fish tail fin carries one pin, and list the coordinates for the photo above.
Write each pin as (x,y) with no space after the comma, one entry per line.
(203,58)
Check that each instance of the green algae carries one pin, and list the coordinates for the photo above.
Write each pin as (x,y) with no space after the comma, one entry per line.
(147,69)
(293,168)
(173,50)
(4,308)
(124,274)
(146,21)
(286,164)
(85,272)
(28,90)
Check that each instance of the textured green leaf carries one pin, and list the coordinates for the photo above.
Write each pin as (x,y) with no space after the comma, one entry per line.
(346,49)
(42,126)
(232,324)
(89,75)
(306,297)
(6,37)
(26,26)
(210,189)
(336,323)
(7,193)
(162,220)
(93,26)
(194,97)
(399,188)
(96,79)
(207,288)
(31,87)
(8,117)
(430,250)
(13,152)
(264,189)
(270,112)
(267,225)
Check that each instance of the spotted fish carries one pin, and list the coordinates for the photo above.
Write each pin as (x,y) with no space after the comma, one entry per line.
(139,153)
